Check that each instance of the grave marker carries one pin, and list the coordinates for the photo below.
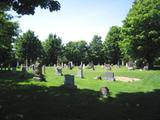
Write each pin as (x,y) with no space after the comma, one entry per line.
(109,76)
(69,81)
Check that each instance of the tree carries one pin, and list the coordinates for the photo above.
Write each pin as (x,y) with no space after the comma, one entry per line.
(141,33)
(28,47)
(96,50)
(8,32)
(28,6)
(76,52)
(111,45)
(52,47)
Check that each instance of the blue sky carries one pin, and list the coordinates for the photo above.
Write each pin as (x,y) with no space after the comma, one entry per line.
(77,19)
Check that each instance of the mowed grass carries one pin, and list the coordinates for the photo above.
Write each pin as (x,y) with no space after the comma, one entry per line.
(27,99)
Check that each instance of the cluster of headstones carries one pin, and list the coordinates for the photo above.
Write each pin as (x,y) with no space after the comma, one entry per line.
(132,65)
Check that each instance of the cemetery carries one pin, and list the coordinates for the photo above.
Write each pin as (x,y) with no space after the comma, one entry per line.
(72,97)
(79,60)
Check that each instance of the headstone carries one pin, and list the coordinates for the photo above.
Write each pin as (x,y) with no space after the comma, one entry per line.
(91,66)
(107,67)
(80,71)
(145,67)
(38,71)
(130,65)
(69,81)
(104,91)
(59,70)
(109,76)
(70,65)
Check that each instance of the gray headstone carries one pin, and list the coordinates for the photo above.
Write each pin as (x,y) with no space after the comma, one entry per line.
(145,67)
(80,73)
(59,71)
(69,81)
(107,66)
(109,76)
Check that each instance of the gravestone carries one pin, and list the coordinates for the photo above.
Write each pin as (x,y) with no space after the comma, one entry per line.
(69,81)
(107,67)
(70,65)
(91,66)
(109,76)
(104,91)
(80,71)
(38,71)
(145,67)
(59,70)
(130,65)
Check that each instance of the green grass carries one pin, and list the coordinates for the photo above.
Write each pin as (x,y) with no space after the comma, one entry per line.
(27,99)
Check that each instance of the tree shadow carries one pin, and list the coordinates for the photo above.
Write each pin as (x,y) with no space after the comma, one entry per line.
(30,102)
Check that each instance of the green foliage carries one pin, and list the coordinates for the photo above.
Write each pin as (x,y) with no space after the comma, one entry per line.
(28,6)
(111,45)
(29,47)
(52,48)
(141,31)
(96,50)
(8,32)
(76,52)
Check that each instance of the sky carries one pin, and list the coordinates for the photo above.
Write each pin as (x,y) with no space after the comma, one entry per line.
(77,19)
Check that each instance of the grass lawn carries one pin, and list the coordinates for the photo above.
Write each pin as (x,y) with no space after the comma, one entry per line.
(27,99)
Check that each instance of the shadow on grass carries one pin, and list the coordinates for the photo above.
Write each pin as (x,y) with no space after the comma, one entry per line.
(29,102)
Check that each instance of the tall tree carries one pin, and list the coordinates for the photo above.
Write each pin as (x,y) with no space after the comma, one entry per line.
(141,33)
(111,45)
(28,6)
(52,47)
(76,52)
(96,50)
(28,47)
(8,32)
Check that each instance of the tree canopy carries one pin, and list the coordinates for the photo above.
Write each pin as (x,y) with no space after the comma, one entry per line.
(52,47)
(111,45)
(8,32)
(28,6)
(28,47)
(96,50)
(141,31)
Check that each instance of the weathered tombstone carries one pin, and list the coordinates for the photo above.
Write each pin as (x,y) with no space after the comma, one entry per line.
(70,65)
(109,76)
(107,67)
(80,71)
(145,67)
(91,66)
(69,81)
(59,70)
(104,91)
(130,65)
(38,71)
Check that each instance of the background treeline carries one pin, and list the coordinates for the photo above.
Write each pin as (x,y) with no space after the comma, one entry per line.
(138,40)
